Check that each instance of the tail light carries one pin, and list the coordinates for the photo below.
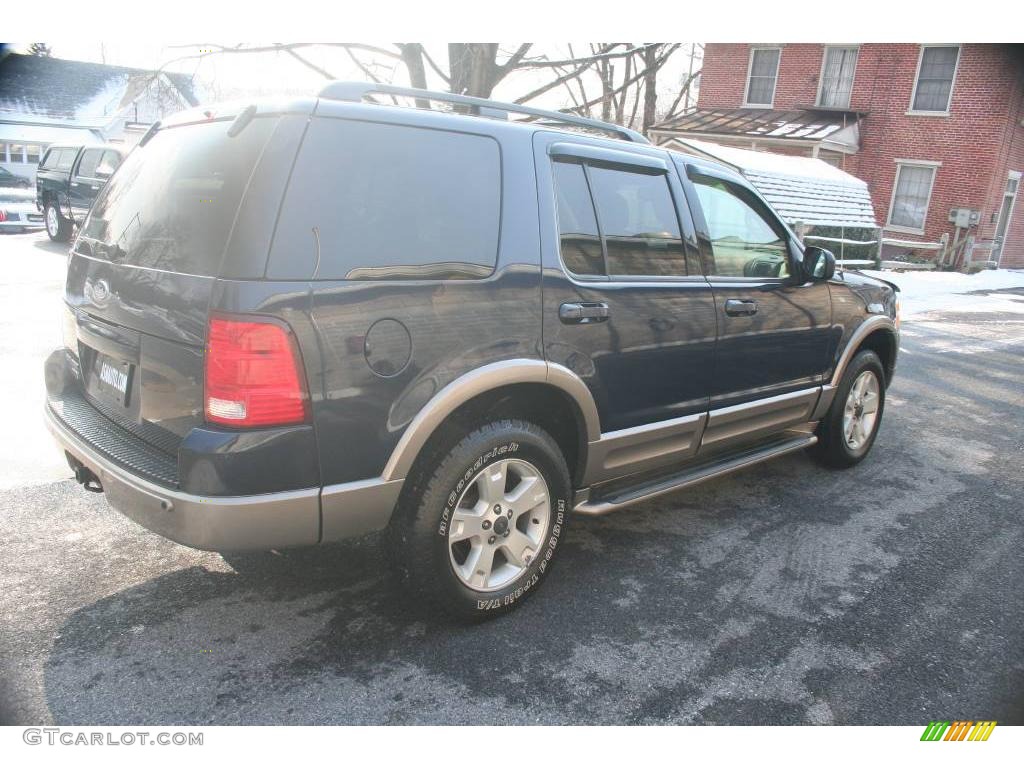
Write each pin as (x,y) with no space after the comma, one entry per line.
(254,375)
(3,215)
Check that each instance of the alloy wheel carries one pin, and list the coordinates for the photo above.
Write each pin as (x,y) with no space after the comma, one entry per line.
(861,411)
(498,524)
(51,221)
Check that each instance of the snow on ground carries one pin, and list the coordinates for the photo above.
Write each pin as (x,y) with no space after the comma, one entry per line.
(954,291)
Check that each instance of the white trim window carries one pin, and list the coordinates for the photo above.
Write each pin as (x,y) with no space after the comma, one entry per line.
(911,195)
(838,67)
(933,85)
(762,74)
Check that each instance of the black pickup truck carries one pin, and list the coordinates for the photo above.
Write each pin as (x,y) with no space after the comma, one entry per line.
(68,180)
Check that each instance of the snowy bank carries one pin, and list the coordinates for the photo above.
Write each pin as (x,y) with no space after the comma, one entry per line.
(927,291)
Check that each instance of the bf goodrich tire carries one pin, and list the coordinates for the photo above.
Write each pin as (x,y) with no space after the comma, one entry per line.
(478,529)
(848,431)
(57,227)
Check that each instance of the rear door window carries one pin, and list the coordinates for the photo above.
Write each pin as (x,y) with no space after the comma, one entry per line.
(90,160)
(66,159)
(638,222)
(108,164)
(580,239)
(390,202)
(173,203)
(616,222)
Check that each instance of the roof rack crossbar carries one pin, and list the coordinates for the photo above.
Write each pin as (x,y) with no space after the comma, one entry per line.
(344,90)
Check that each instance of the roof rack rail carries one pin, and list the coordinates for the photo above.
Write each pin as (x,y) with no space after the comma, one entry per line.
(343,90)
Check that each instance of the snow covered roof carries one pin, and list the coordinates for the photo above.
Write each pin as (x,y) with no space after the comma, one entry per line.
(62,90)
(801,189)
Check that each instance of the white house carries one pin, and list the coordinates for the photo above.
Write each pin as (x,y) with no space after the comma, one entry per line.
(44,101)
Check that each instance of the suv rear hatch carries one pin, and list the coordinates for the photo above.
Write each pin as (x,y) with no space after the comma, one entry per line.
(140,280)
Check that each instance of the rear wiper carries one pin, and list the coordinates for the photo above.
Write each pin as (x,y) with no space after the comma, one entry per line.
(244,118)
(149,134)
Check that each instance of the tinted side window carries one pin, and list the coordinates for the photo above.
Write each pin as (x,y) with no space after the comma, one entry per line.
(66,159)
(391,201)
(638,223)
(108,164)
(90,160)
(745,242)
(580,240)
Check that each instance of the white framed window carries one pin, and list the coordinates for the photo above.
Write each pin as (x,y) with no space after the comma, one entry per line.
(933,84)
(911,195)
(762,74)
(838,67)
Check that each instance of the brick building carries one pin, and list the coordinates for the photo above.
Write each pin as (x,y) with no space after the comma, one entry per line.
(930,128)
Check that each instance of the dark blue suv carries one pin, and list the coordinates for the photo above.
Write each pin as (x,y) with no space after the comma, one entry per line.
(299,323)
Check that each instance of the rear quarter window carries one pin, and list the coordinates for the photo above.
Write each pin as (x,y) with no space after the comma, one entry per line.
(389,202)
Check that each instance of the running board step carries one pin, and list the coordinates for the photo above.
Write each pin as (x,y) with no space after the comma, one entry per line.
(696,474)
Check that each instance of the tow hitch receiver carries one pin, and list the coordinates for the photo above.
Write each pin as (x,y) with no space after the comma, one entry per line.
(84,476)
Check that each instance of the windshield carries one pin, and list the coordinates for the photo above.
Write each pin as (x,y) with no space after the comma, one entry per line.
(172,202)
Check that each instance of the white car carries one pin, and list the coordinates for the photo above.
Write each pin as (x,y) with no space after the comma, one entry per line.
(18,211)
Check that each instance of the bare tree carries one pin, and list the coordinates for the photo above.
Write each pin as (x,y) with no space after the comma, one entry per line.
(626,74)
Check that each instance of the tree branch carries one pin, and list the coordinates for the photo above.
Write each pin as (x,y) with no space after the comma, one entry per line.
(433,65)
(638,76)
(540,63)
(682,92)
(557,82)
(513,60)
(310,64)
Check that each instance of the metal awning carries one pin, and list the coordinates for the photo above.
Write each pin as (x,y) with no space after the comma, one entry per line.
(835,129)
(803,190)
(28,133)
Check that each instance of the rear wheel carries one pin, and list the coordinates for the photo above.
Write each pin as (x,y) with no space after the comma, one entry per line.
(848,431)
(57,227)
(477,530)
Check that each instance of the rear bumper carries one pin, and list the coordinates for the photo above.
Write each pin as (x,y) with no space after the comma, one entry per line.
(235,523)
(220,523)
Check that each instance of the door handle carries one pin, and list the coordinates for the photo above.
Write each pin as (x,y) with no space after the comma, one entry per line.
(582,312)
(74,183)
(740,307)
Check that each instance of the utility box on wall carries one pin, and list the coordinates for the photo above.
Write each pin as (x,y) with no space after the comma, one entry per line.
(964,217)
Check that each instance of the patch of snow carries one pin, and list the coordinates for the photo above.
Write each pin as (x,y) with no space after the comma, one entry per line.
(929,291)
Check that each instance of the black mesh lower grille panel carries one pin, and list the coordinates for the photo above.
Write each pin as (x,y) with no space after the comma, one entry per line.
(114,442)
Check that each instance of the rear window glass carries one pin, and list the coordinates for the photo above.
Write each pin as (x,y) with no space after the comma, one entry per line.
(390,202)
(172,202)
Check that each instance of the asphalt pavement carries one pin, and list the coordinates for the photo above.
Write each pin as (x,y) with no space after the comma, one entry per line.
(891,593)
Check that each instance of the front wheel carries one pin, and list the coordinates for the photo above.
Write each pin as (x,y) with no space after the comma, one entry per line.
(57,227)
(848,430)
(478,529)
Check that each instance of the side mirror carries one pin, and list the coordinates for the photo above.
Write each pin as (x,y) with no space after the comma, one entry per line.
(819,264)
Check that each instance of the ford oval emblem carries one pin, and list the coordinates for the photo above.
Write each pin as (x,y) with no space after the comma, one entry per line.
(98,291)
